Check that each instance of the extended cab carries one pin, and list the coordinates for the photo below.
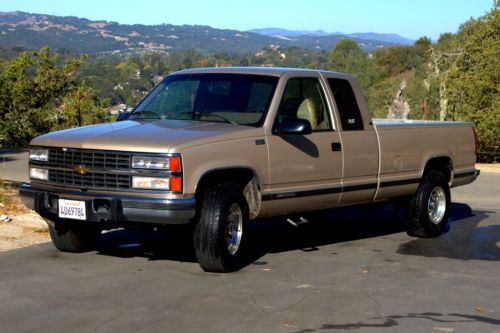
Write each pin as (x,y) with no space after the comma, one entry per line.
(219,147)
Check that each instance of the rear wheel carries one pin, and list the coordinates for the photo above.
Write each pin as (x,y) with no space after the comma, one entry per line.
(220,234)
(430,206)
(74,238)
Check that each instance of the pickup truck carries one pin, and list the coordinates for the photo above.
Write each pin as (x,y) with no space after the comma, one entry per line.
(218,147)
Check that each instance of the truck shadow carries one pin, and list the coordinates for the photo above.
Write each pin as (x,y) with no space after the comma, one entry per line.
(464,240)
(467,239)
(265,236)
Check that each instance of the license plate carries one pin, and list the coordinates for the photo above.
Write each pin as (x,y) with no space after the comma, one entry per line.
(72,209)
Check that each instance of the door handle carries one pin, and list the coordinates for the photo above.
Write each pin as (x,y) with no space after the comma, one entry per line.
(336,146)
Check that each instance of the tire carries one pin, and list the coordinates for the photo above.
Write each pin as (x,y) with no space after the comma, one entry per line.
(74,238)
(430,207)
(224,213)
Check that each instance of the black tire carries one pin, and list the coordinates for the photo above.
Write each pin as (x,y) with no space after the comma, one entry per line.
(210,234)
(421,222)
(74,238)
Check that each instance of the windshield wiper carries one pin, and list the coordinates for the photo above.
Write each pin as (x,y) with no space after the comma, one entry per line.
(145,112)
(198,113)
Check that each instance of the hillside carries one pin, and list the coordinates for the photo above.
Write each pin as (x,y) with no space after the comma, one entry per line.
(371,36)
(33,31)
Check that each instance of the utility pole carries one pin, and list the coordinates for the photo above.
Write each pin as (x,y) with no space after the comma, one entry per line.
(426,116)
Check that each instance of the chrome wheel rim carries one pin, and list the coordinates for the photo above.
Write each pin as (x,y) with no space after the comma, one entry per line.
(234,229)
(437,205)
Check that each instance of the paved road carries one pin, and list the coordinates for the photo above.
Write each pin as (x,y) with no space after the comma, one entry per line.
(14,165)
(347,270)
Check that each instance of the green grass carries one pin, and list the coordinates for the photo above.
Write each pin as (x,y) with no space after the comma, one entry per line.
(3,194)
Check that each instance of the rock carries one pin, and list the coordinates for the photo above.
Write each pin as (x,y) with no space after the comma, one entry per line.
(5,218)
(400,107)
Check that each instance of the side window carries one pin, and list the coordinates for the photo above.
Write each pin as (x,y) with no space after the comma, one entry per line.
(303,98)
(350,116)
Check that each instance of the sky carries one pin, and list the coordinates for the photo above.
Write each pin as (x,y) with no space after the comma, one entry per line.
(408,18)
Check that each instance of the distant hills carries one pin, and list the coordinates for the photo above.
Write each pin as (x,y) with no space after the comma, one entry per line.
(372,36)
(79,35)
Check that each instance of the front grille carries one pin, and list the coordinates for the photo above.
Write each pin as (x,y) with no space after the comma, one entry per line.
(94,159)
(98,166)
(97,180)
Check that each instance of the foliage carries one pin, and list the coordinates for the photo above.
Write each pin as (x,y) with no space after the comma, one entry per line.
(81,106)
(3,195)
(457,77)
(348,57)
(35,89)
(474,81)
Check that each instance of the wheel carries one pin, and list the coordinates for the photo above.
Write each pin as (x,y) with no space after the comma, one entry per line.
(220,233)
(74,238)
(429,207)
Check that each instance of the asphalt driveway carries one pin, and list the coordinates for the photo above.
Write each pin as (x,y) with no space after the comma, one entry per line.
(348,270)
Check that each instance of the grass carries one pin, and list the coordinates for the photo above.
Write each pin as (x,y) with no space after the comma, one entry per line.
(10,202)
(3,194)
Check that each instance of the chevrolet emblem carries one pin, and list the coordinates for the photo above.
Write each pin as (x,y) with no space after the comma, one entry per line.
(81,169)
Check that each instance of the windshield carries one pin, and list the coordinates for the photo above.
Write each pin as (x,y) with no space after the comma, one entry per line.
(231,98)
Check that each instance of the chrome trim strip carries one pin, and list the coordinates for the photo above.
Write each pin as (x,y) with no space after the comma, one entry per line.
(188,202)
(339,189)
(397,123)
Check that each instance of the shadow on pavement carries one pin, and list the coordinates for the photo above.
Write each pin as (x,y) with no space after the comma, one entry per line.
(174,244)
(267,236)
(392,321)
(466,240)
(12,154)
(5,159)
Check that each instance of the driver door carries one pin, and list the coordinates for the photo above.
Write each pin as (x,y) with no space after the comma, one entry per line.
(305,170)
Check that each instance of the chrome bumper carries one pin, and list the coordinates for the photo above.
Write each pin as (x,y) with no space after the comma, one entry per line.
(118,209)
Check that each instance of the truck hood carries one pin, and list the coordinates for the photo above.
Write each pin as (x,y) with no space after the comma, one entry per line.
(144,136)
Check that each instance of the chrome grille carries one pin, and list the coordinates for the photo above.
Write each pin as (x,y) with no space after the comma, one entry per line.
(98,166)
(94,159)
(90,180)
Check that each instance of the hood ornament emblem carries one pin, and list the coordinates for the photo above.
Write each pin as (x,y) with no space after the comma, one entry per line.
(81,169)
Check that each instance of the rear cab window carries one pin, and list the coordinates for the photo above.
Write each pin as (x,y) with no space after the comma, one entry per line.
(347,106)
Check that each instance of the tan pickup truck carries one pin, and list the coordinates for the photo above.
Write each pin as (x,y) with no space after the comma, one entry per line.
(218,147)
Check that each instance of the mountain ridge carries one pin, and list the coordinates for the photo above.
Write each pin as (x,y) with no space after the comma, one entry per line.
(81,35)
(383,37)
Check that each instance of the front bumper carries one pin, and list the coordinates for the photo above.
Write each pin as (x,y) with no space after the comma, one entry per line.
(117,209)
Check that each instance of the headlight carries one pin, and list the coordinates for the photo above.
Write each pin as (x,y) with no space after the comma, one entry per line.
(41,155)
(39,174)
(172,163)
(152,183)
(172,184)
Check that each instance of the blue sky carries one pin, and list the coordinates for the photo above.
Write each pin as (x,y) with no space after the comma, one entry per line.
(409,18)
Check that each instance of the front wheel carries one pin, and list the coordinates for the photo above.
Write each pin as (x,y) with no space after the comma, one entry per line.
(220,234)
(430,206)
(74,238)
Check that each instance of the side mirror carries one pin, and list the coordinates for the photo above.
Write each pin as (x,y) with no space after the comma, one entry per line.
(293,126)
(123,115)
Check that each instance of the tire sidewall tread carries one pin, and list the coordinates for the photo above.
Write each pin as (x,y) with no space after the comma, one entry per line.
(419,223)
(209,232)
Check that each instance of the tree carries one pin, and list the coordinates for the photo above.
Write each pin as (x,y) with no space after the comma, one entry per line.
(348,57)
(474,81)
(30,90)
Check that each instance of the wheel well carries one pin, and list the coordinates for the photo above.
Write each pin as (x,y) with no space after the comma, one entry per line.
(442,164)
(239,176)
